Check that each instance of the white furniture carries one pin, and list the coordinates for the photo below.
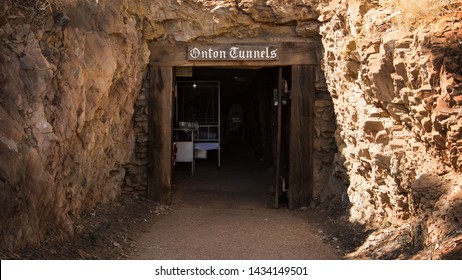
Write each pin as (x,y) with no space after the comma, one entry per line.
(184,142)
(208,138)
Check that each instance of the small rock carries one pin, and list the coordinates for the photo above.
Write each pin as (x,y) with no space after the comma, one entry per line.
(373,125)
(8,29)
(83,254)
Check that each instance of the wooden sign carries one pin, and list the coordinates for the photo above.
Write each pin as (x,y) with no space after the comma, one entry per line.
(233,52)
(287,53)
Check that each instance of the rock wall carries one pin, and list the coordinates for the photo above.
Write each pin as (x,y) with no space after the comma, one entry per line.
(69,76)
(184,21)
(397,96)
(136,179)
(330,182)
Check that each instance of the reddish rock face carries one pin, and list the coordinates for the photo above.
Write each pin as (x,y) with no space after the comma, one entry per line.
(67,95)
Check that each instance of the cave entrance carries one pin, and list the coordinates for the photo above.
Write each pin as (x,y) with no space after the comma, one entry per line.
(259,107)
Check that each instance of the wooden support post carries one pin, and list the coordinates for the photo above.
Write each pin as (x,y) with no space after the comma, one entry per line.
(160,134)
(301,136)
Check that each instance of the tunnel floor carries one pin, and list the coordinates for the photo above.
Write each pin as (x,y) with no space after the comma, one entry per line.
(228,214)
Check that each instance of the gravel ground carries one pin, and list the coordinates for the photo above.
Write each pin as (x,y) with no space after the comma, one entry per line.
(228,214)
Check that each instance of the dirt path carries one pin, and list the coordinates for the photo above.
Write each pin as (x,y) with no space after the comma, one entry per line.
(227,214)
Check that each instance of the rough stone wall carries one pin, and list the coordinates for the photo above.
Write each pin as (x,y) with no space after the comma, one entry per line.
(330,185)
(183,21)
(397,97)
(136,179)
(66,104)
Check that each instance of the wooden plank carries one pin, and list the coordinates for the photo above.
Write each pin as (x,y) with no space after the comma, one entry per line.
(160,134)
(301,136)
(289,53)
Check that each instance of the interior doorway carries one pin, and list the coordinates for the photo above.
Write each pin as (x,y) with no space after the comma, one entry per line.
(226,117)
(246,103)
(259,93)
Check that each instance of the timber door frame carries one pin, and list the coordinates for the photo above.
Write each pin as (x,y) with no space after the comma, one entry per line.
(301,56)
(160,134)
(301,136)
